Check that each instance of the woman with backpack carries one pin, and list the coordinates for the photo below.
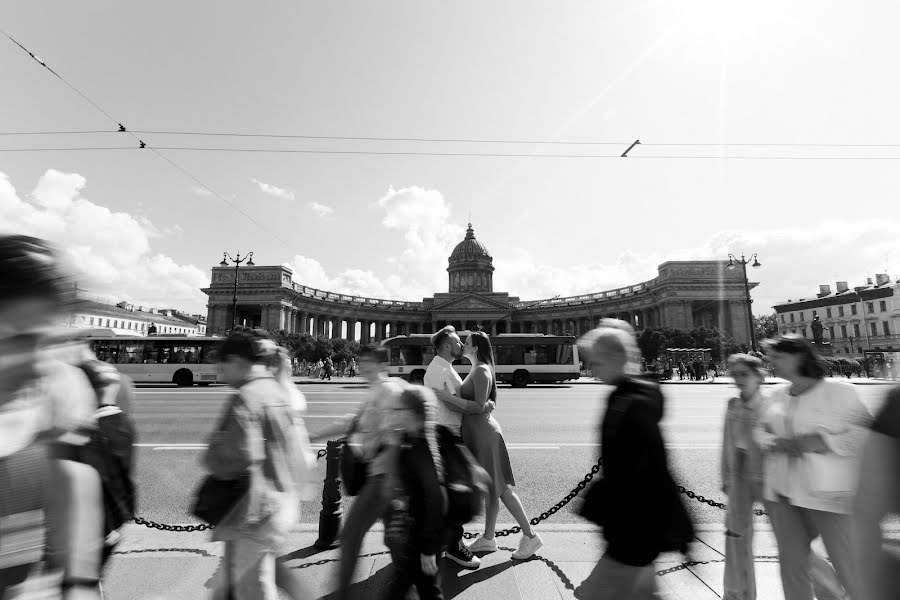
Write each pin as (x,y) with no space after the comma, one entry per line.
(483,436)
(414,524)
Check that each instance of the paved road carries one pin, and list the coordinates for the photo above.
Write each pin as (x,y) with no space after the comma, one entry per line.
(550,431)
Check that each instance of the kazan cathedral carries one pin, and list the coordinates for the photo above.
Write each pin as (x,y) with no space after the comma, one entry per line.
(684,294)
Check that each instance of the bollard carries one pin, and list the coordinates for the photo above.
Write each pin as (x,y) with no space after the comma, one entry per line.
(330,515)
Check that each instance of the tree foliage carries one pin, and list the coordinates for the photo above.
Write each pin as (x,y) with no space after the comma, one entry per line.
(653,341)
(765,326)
(304,346)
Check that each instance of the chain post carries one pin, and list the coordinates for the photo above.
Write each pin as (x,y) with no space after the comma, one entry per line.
(330,515)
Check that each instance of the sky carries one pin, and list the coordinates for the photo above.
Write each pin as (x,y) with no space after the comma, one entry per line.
(691,79)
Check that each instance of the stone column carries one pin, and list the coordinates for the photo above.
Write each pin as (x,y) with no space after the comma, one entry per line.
(379,330)
(740,327)
(304,322)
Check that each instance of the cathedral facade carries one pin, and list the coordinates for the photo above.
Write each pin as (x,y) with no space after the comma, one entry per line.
(684,294)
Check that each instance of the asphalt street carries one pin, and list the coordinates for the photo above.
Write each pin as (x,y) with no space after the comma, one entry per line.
(550,430)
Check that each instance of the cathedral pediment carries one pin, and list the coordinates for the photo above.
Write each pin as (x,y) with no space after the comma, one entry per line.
(471,302)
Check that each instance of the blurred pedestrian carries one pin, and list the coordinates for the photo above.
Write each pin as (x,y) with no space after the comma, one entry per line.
(371,438)
(52,506)
(636,502)
(418,497)
(483,436)
(810,432)
(352,367)
(681,370)
(741,467)
(878,495)
(254,438)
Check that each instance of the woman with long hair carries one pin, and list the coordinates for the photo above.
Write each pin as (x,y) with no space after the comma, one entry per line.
(810,432)
(482,435)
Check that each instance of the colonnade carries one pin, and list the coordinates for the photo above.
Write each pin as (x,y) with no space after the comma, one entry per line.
(293,320)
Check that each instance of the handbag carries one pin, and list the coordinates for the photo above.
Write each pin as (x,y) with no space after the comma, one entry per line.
(215,497)
(353,466)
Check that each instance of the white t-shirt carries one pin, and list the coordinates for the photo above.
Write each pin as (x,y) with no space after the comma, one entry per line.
(441,376)
(53,406)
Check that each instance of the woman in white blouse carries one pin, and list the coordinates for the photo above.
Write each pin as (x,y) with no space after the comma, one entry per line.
(810,432)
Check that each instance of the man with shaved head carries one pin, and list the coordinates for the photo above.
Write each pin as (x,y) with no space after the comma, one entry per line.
(636,502)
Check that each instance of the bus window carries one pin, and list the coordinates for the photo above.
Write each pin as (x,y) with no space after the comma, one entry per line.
(509,355)
(564,354)
(406,355)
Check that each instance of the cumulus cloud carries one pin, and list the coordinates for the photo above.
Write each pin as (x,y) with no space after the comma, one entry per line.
(796,260)
(424,218)
(108,252)
(274,190)
(320,209)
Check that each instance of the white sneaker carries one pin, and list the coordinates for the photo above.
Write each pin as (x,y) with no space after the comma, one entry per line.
(482,544)
(527,547)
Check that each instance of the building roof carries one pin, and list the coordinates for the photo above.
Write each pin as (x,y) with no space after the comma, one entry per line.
(110,310)
(866,292)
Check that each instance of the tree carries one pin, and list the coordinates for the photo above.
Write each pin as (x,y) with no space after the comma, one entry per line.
(653,341)
(344,349)
(765,326)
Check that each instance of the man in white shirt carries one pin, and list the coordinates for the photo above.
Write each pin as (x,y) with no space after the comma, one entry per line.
(446,383)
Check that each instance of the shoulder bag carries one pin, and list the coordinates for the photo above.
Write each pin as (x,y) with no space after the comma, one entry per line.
(216,497)
(353,466)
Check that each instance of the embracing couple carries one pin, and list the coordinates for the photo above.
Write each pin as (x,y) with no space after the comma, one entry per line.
(464,410)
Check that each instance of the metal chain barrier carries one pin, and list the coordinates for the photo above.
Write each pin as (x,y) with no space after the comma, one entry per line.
(553,509)
(694,496)
(694,563)
(189,528)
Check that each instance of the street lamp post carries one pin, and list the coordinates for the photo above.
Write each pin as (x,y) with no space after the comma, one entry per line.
(732,261)
(237,263)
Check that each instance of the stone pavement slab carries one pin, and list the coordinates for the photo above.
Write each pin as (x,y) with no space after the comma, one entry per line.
(155,565)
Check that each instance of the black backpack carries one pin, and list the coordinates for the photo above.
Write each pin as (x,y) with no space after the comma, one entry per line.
(109,448)
(465,480)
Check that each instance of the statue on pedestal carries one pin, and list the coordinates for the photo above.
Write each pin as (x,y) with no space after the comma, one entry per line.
(817,330)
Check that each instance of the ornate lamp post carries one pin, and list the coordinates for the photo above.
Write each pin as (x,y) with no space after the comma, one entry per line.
(237,263)
(732,261)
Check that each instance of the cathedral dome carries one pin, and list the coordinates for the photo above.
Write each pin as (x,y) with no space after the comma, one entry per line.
(470,250)
(470,266)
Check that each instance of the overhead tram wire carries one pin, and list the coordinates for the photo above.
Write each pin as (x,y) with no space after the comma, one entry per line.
(451,140)
(142,144)
(155,149)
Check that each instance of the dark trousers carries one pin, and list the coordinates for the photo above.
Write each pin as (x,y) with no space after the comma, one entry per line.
(409,573)
(454,535)
(369,506)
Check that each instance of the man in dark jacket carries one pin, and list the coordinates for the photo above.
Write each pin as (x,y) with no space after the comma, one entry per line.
(636,502)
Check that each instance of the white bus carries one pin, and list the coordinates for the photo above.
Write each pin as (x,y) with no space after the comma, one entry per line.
(521,358)
(180,359)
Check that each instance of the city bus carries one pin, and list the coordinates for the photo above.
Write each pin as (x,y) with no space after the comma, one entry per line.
(521,358)
(172,358)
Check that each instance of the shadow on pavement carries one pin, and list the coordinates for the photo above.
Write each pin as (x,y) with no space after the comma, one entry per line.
(301,553)
(454,585)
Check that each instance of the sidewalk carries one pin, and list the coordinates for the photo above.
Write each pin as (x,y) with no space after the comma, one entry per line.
(303,380)
(158,565)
